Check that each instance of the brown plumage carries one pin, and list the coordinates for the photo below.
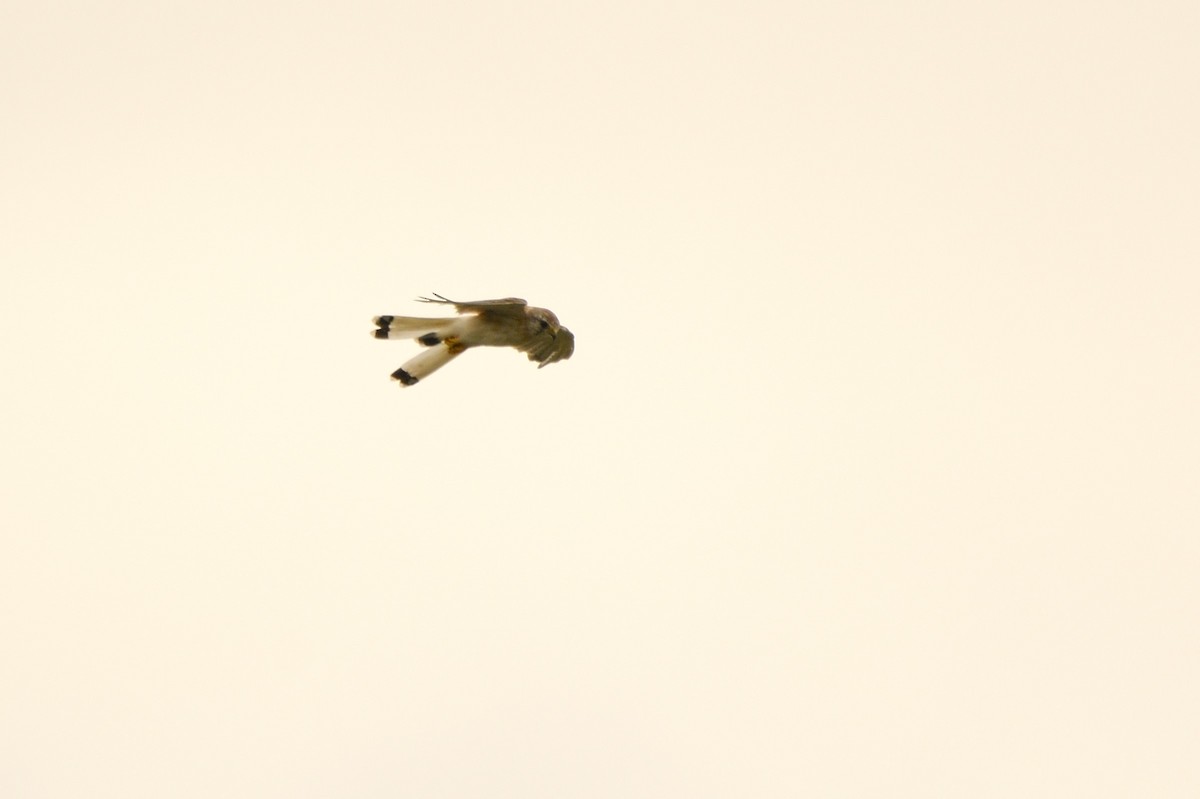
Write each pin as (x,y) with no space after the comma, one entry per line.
(510,322)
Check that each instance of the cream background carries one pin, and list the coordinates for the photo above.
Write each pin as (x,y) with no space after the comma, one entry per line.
(874,473)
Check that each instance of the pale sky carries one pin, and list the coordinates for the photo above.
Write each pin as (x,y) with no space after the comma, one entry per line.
(874,473)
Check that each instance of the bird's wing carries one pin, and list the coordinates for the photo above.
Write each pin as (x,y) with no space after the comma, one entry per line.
(549,349)
(514,306)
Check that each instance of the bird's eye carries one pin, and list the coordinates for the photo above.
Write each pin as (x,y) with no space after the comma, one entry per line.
(543,323)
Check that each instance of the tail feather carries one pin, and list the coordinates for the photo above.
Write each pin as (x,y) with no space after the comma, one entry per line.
(426,363)
(412,327)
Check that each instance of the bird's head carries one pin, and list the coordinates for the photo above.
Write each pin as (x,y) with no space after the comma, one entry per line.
(545,320)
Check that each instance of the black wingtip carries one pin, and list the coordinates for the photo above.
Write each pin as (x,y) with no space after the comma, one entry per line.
(383,322)
(429,339)
(404,377)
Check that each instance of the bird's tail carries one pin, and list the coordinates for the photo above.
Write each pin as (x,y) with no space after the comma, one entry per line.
(413,327)
(428,361)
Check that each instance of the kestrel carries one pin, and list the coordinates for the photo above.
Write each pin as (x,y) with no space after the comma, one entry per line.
(509,322)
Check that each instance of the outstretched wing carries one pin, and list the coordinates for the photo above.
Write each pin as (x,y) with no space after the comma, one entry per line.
(549,349)
(513,306)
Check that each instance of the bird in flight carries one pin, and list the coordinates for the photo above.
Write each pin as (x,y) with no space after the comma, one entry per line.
(510,322)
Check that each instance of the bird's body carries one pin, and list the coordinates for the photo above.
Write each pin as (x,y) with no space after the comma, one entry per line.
(510,322)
